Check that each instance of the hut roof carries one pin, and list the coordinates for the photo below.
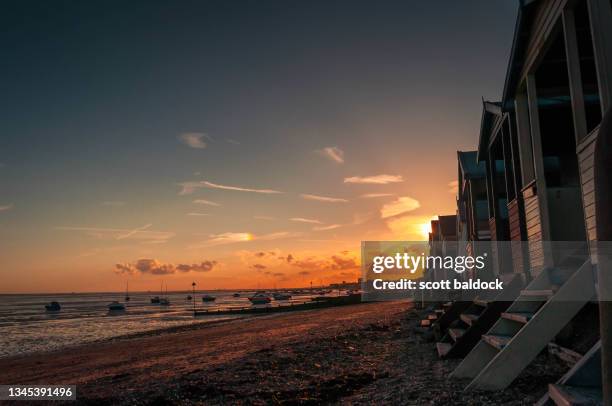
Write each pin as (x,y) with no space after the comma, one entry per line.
(469,166)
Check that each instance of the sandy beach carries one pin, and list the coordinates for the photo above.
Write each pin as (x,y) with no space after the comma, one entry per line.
(354,354)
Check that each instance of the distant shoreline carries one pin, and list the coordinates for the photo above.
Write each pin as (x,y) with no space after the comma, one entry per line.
(157,293)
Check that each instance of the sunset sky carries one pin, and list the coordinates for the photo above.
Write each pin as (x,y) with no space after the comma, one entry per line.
(234,143)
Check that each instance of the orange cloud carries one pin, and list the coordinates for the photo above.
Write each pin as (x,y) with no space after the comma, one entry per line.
(323,198)
(401,205)
(155,267)
(376,179)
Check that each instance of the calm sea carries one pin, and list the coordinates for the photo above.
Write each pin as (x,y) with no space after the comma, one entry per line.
(25,325)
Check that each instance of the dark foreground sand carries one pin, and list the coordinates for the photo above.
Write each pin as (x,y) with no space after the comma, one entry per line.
(361,354)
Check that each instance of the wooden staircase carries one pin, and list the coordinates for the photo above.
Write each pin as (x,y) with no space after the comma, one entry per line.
(448,318)
(581,385)
(477,318)
(548,303)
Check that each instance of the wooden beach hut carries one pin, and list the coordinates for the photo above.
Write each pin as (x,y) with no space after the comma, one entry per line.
(460,329)
(558,84)
(472,204)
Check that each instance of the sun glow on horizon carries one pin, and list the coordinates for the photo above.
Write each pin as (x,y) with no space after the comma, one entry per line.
(425,229)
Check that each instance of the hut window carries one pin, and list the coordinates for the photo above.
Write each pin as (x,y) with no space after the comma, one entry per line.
(588,71)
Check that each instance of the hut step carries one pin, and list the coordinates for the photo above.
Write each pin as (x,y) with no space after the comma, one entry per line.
(469,318)
(455,333)
(497,341)
(564,395)
(481,302)
(443,348)
(536,295)
(521,317)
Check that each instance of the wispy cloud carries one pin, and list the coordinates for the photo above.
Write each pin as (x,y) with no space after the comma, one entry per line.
(376,179)
(232,238)
(113,203)
(304,220)
(6,207)
(142,233)
(206,202)
(375,195)
(332,153)
(190,187)
(453,187)
(277,235)
(239,188)
(231,141)
(400,205)
(323,198)
(228,238)
(328,227)
(198,214)
(132,232)
(194,140)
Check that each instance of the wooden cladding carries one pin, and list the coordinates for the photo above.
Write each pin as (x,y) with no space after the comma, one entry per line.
(587,180)
(515,214)
(514,218)
(533,223)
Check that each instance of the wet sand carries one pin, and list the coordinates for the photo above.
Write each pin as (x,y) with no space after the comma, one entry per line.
(355,354)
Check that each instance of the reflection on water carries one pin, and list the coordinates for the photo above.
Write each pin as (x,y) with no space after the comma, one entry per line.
(26,327)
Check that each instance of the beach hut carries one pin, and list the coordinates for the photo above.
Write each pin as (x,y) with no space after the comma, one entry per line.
(462,326)
(558,84)
(472,204)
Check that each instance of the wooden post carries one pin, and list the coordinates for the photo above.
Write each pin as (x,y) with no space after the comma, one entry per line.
(573,70)
(538,158)
(603,214)
(523,130)
(600,16)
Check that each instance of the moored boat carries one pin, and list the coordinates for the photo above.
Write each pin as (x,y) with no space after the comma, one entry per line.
(208,298)
(53,307)
(155,300)
(260,298)
(236,294)
(281,296)
(116,306)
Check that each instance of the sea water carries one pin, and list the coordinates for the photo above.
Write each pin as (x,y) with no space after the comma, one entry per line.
(26,327)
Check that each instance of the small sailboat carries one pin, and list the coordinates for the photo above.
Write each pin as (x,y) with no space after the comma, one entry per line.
(164,301)
(281,296)
(53,307)
(189,297)
(127,294)
(260,298)
(116,306)
(157,299)
(208,298)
